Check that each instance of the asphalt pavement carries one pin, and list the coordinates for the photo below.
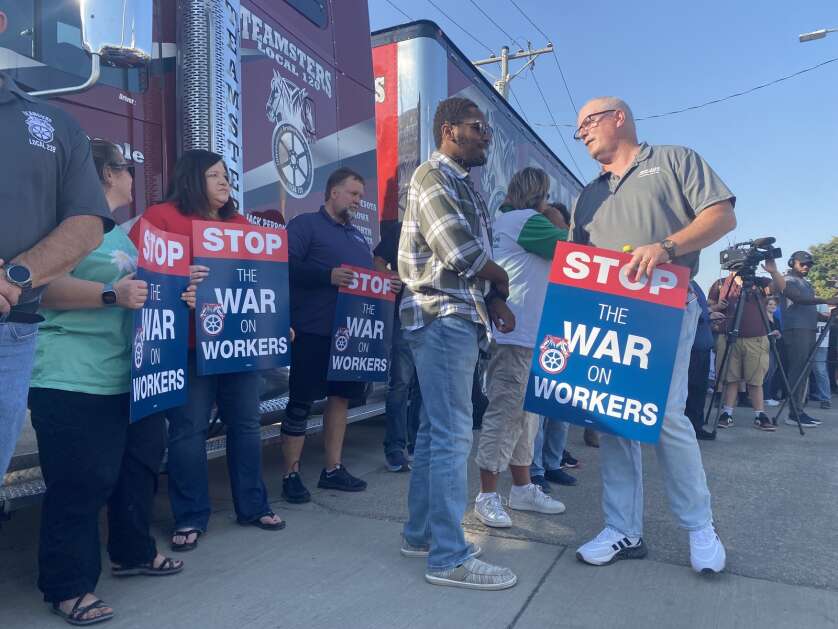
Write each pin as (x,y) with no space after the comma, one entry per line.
(337,563)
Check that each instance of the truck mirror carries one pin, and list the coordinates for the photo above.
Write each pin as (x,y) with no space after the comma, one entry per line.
(117,31)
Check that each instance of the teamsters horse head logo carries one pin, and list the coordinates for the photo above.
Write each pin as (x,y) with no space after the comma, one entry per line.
(212,319)
(554,353)
(292,111)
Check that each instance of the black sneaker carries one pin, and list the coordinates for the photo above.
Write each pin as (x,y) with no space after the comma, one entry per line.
(725,421)
(293,489)
(703,435)
(341,479)
(560,477)
(397,462)
(762,422)
(805,420)
(541,482)
(568,462)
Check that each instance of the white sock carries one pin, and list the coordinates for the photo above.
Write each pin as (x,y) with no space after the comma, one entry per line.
(728,410)
(519,489)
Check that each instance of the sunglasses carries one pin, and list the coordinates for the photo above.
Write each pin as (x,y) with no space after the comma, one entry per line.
(122,166)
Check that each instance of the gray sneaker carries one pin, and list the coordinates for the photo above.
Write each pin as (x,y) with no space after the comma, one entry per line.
(476,575)
(409,550)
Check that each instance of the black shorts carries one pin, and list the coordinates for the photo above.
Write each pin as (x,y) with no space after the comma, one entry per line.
(309,368)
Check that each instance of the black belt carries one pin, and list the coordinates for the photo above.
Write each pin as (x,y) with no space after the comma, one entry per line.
(19,316)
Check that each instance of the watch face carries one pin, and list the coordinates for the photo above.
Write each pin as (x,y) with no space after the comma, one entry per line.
(18,274)
(109,297)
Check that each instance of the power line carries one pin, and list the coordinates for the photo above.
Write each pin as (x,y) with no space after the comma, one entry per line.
(558,131)
(517,102)
(498,26)
(715,100)
(555,56)
(396,7)
(436,6)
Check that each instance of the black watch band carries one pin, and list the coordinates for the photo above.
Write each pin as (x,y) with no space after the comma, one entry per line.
(669,247)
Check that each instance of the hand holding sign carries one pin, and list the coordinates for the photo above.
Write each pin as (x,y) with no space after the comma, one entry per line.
(131,293)
(645,259)
(342,276)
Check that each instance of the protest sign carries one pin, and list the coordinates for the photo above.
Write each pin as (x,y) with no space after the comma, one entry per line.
(363,328)
(606,344)
(161,326)
(242,322)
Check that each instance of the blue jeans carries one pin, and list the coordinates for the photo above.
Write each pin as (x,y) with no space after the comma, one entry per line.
(678,454)
(403,397)
(237,397)
(820,391)
(445,352)
(17,356)
(549,446)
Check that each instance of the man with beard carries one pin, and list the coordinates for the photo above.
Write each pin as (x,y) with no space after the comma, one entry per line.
(800,326)
(667,203)
(319,243)
(453,294)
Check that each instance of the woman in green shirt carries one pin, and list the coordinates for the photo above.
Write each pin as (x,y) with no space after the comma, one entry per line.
(79,397)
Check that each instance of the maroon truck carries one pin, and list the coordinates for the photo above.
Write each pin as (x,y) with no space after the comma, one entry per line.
(284,89)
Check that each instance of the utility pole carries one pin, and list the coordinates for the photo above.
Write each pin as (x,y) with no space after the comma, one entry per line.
(502,84)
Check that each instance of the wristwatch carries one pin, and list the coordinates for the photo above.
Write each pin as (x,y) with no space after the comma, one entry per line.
(669,247)
(18,275)
(109,295)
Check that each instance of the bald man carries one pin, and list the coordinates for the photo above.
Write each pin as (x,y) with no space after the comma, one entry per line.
(667,203)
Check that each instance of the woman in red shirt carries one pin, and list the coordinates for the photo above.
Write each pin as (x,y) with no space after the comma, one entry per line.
(201,191)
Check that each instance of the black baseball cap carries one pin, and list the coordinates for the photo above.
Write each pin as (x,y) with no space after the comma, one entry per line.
(802,256)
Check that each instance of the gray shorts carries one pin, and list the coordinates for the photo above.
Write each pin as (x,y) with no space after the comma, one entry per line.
(508,432)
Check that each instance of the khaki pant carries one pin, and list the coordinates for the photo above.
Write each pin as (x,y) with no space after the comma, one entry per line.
(508,432)
(747,361)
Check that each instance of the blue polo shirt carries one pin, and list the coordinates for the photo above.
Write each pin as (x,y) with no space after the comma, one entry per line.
(317,244)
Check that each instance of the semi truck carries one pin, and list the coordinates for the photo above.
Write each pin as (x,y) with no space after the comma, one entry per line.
(286,90)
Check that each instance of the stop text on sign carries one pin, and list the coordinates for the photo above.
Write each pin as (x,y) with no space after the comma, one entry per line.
(161,251)
(236,240)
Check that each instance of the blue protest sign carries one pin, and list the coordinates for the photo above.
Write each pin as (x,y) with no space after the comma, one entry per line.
(242,321)
(363,328)
(161,326)
(606,344)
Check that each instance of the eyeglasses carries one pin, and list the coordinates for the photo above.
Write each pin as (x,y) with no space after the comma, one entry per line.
(122,166)
(806,264)
(481,127)
(591,121)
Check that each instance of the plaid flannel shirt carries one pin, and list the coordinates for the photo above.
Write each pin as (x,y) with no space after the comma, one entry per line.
(446,239)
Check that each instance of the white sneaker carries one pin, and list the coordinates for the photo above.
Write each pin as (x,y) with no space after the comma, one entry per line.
(770,402)
(533,498)
(490,511)
(609,546)
(707,554)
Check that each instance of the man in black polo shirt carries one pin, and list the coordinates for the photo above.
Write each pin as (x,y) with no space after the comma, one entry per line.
(319,243)
(53,213)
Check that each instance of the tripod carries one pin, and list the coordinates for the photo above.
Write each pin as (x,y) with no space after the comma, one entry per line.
(805,372)
(749,292)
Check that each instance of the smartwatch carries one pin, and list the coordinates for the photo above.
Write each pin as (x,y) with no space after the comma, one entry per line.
(669,247)
(109,295)
(18,275)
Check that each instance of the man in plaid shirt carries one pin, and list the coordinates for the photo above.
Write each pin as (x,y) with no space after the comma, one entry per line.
(453,294)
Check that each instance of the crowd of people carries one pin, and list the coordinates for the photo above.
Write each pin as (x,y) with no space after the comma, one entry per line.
(468,285)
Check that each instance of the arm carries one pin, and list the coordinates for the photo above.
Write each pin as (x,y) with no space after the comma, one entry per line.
(72,293)
(792,291)
(63,248)
(539,236)
(303,273)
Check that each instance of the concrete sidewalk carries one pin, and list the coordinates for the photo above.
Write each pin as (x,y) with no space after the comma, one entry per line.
(337,562)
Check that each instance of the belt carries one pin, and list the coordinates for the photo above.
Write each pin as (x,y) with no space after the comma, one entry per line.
(19,316)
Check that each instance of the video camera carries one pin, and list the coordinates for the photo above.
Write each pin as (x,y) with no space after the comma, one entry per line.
(743,257)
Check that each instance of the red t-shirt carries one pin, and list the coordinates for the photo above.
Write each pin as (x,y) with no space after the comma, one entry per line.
(167,217)
(750,325)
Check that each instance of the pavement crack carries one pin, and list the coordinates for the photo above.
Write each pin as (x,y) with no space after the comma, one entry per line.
(536,589)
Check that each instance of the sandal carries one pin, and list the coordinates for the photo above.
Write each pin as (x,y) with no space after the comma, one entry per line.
(76,615)
(182,548)
(262,525)
(167,566)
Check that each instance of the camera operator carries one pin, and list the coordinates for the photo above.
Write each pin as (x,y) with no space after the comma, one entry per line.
(800,323)
(748,359)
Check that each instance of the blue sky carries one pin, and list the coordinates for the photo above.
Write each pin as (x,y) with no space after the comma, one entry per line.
(776,148)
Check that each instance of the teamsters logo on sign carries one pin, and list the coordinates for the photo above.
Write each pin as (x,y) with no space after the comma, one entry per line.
(608,343)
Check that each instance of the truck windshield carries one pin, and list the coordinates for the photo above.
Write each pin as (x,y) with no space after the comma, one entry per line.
(40,43)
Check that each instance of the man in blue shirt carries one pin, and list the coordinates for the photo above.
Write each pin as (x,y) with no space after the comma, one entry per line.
(319,243)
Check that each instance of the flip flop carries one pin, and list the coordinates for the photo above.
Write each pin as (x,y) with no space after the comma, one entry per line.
(185,546)
(267,527)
